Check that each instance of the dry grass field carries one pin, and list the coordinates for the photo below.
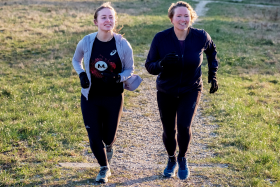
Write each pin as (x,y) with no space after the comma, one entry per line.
(40,118)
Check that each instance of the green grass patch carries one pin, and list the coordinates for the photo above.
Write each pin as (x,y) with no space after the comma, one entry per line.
(40,118)
(246,106)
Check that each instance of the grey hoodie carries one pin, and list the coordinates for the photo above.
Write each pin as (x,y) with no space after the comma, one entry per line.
(84,49)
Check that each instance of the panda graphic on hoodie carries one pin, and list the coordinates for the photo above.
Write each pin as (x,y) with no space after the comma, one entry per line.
(104,57)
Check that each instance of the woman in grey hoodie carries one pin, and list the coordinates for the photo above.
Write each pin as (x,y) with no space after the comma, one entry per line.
(109,66)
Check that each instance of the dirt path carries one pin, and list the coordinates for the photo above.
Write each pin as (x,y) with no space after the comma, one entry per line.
(200,8)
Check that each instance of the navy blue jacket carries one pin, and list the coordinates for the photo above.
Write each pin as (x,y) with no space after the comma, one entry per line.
(188,75)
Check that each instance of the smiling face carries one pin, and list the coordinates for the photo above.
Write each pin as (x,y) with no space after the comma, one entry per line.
(181,18)
(105,20)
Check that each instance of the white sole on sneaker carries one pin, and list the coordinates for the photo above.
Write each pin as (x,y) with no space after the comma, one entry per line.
(172,176)
(104,180)
(104,175)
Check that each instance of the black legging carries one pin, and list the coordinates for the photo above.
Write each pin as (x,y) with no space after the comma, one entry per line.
(101,117)
(184,107)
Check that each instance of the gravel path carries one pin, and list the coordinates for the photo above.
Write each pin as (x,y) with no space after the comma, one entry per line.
(200,8)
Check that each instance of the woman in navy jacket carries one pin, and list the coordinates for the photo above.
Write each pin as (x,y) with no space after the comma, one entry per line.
(176,56)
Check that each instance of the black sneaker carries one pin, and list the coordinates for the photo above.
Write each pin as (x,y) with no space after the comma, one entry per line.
(170,169)
(183,171)
(103,174)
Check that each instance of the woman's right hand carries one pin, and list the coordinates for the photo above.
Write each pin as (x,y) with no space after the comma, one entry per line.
(84,80)
(170,61)
(213,80)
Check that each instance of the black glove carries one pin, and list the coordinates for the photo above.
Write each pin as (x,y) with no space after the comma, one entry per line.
(84,80)
(214,83)
(170,61)
(110,77)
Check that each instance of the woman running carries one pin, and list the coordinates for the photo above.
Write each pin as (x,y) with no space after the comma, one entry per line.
(108,61)
(175,56)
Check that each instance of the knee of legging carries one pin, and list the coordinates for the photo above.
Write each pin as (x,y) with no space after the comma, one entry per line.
(169,134)
(94,140)
(167,119)
(98,144)
(184,129)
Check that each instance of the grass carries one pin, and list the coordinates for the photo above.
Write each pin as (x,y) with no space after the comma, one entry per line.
(246,107)
(40,118)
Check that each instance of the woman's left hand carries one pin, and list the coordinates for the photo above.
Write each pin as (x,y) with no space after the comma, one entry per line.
(110,77)
(214,86)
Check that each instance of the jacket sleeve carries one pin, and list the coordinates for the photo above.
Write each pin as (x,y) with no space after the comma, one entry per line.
(211,53)
(77,58)
(153,59)
(128,61)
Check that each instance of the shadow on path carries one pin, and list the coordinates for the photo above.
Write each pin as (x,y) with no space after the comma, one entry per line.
(125,183)
(144,179)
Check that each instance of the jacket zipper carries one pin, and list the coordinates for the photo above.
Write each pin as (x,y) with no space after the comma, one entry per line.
(181,75)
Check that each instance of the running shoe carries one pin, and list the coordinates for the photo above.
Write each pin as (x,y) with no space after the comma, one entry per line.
(183,171)
(170,169)
(103,174)
(109,152)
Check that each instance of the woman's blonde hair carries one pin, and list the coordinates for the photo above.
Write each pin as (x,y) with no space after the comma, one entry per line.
(104,5)
(107,5)
(182,4)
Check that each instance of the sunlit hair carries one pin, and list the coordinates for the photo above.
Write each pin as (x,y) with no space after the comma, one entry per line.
(107,5)
(173,6)
(104,5)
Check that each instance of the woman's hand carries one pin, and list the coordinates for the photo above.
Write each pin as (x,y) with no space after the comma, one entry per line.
(170,61)
(84,80)
(214,83)
(110,77)
(214,86)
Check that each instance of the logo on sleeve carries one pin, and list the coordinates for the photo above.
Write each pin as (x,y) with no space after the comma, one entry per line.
(113,52)
(101,65)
